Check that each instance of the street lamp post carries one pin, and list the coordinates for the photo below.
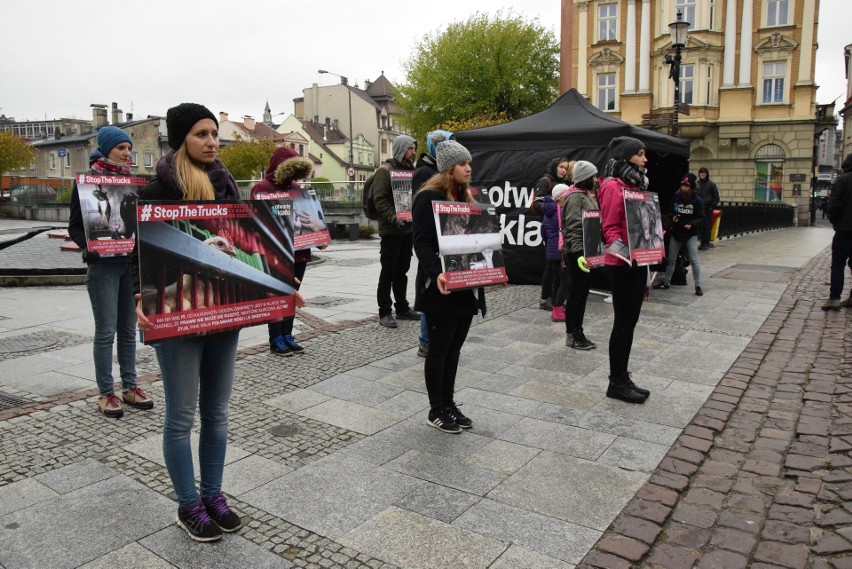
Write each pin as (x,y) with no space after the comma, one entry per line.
(344,81)
(678,30)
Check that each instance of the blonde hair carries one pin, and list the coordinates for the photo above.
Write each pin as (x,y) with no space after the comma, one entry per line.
(191,179)
(444,183)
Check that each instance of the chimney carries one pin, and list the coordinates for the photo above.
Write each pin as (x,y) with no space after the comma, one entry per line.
(334,122)
(99,116)
(327,122)
(223,116)
(249,122)
(129,117)
(117,114)
(367,84)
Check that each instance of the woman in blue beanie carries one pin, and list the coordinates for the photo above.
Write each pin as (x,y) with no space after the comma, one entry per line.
(109,281)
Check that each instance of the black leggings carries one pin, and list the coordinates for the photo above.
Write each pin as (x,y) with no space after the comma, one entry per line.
(447,333)
(578,293)
(628,292)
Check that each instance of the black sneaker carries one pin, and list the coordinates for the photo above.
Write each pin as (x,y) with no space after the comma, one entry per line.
(443,421)
(280,347)
(624,393)
(407,314)
(578,341)
(662,285)
(698,291)
(387,321)
(423,350)
(458,416)
(545,304)
(583,334)
(197,523)
(217,508)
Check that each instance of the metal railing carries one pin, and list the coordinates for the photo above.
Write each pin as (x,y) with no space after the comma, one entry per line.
(741,217)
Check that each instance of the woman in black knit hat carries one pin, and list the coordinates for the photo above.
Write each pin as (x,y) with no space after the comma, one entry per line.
(197,371)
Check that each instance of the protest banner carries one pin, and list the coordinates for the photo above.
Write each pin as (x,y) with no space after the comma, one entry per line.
(213,266)
(644,227)
(402,194)
(593,244)
(108,206)
(469,244)
(310,228)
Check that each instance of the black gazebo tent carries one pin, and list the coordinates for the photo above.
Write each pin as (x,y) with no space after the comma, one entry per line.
(509,158)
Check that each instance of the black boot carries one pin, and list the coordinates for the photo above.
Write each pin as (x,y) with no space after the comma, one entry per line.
(583,335)
(620,388)
(578,341)
(635,387)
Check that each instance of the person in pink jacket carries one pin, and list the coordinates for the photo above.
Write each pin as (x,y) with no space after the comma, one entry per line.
(625,169)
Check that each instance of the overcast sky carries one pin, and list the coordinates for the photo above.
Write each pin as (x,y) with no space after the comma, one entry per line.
(57,58)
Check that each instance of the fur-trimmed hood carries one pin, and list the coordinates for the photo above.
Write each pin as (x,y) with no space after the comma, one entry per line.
(286,166)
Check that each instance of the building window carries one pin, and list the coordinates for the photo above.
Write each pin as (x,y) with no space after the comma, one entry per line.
(687,83)
(301,150)
(709,95)
(606,91)
(384,146)
(768,173)
(52,161)
(607,22)
(68,160)
(134,158)
(777,12)
(687,8)
(149,159)
(710,24)
(773,81)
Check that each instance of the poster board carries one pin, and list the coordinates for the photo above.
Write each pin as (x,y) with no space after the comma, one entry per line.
(402,194)
(593,243)
(214,266)
(644,227)
(309,226)
(469,244)
(108,206)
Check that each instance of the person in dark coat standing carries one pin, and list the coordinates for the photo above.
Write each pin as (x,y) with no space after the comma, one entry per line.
(448,313)
(558,172)
(840,216)
(285,167)
(395,255)
(686,226)
(709,194)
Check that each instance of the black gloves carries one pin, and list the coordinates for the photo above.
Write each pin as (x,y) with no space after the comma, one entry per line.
(90,257)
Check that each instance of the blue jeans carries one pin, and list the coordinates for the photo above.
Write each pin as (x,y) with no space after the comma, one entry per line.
(841,252)
(110,286)
(424,331)
(196,371)
(691,252)
(285,327)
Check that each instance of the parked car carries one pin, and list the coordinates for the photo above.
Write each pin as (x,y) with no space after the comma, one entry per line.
(33,194)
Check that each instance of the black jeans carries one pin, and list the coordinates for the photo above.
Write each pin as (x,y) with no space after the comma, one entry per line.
(395,257)
(578,293)
(447,333)
(707,225)
(547,281)
(628,292)
(561,285)
(285,327)
(841,253)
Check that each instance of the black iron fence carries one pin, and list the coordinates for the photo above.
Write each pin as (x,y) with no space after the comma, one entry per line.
(741,217)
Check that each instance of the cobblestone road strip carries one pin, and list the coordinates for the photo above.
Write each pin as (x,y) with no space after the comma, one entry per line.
(762,477)
(69,429)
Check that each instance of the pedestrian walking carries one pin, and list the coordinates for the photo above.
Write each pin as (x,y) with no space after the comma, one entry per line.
(448,314)
(578,198)
(109,281)
(709,194)
(624,170)
(840,216)
(197,371)
(285,167)
(685,228)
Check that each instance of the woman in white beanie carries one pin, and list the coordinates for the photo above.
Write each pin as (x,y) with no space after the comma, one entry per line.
(448,314)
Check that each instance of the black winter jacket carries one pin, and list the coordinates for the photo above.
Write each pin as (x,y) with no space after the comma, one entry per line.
(840,200)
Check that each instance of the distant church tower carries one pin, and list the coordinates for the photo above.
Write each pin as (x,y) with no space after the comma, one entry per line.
(267,114)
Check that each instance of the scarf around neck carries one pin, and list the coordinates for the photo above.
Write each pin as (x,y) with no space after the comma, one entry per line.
(627,172)
(103,166)
(224,185)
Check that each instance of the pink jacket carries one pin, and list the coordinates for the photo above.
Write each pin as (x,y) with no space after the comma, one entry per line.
(613,218)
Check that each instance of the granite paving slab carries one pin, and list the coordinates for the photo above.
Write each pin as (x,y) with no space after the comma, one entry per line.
(23,494)
(76,476)
(564,439)
(543,534)
(488,422)
(439,502)
(415,434)
(503,456)
(632,454)
(497,401)
(231,551)
(351,416)
(617,425)
(414,541)
(332,495)
(569,396)
(355,389)
(660,408)
(297,400)
(132,556)
(517,557)
(250,472)
(406,403)
(24,533)
(584,493)
(446,472)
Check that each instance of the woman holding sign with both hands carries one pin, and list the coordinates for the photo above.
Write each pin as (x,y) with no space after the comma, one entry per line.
(448,313)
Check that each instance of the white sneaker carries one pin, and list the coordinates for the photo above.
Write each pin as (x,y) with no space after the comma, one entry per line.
(608,299)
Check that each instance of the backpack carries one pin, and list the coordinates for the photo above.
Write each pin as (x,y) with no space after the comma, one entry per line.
(368,201)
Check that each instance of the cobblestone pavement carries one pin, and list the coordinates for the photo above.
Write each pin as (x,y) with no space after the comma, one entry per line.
(762,476)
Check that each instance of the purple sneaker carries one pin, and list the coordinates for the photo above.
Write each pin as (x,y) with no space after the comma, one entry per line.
(218,509)
(197,523)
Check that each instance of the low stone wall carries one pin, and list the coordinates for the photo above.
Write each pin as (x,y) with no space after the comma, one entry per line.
(50,213)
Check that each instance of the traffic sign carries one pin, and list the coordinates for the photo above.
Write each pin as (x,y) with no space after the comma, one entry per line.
(62,152)
(350,171)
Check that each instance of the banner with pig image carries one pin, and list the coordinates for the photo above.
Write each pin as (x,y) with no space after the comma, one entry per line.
(310,228)
(214,266)
(469,244)
(644,227)
(108,205)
